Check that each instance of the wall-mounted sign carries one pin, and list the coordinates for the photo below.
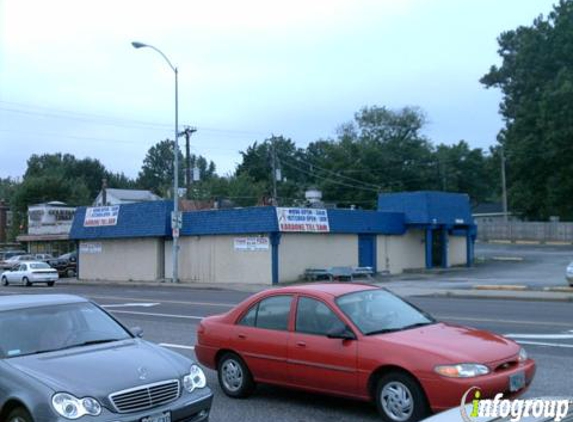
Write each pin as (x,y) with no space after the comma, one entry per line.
(90,247)
(257,243)
(101,216)
(303,220)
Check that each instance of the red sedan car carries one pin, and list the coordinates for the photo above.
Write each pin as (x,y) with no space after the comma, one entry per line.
(362,342)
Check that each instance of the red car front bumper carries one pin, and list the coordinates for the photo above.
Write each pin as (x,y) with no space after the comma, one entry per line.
(445,393)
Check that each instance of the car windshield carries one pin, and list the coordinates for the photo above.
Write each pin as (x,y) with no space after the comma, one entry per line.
(39,266)
(379,311)
(48,328)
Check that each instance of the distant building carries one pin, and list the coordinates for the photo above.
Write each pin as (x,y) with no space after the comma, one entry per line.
(124,196)
(490,213)
(49,227)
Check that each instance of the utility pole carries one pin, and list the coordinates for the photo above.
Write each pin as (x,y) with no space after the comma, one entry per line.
(188,132)
(274,170)
(503,186)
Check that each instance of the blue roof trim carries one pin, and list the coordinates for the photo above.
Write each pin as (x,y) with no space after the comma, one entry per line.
(427,208)
(233,221)
(366,222)
(152,219)
(144,219)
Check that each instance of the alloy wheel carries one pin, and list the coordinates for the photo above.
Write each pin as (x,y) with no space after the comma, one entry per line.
(397,401)
(232,375)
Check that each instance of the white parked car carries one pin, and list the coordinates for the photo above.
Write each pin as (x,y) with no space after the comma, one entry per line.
(569,274)
(31,272)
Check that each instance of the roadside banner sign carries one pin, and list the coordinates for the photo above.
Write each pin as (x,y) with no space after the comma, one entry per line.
(253,243)
(310,220)
(101,216)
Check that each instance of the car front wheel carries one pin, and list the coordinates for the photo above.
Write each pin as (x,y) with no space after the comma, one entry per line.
(234,376)
(5,281)
(26,281)
(19,415)
(399,398)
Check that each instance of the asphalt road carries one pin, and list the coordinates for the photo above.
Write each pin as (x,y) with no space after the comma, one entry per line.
(169,316)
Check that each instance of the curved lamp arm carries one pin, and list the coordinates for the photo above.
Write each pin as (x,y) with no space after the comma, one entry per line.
(137,44)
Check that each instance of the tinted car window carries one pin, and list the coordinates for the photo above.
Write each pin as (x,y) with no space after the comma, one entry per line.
(47,328)
(314,317)
(271,313)
(379,311)
(39,265)
(251,317)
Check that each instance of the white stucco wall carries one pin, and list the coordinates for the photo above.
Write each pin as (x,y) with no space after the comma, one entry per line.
(299,251)
(213,259)
(397,253)
(136,259)
(457,251)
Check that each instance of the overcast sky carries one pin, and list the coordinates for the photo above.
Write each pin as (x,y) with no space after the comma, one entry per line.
(70,81)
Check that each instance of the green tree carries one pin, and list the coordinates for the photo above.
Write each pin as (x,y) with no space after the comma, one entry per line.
(157,171)
(256,165)
(536,80)
(466,170)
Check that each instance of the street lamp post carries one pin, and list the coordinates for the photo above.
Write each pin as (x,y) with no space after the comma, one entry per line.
(175,218)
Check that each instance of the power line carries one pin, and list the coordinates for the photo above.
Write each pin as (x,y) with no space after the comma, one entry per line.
(112,121)
(310,173)
(350,179)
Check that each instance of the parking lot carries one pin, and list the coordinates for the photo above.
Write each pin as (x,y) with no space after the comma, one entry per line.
(169,315)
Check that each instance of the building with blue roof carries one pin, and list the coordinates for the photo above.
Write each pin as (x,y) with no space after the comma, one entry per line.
(270,245)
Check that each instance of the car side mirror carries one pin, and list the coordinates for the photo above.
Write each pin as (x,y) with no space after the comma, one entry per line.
(137,331)
(342,332)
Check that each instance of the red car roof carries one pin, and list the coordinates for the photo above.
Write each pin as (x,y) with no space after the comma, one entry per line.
(331,289)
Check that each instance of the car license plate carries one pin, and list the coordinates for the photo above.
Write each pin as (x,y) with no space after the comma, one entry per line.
(160,417)
(516,381)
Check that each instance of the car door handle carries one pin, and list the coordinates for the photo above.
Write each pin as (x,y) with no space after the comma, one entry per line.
(301,343)
(242,336)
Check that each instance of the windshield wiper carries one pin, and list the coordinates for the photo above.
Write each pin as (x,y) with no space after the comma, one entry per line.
(71,346)
(383,331)
(418,324)
(392,330)
(92,342)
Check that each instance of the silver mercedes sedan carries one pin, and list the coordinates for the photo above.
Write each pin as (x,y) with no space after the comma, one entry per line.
(64,358)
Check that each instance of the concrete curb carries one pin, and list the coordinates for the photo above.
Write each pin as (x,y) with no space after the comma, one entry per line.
(249,288)
(498,295)
(510,287)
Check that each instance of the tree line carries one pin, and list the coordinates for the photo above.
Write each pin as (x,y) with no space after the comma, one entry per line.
(381,150)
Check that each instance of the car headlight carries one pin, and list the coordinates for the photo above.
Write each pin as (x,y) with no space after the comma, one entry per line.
(462,370)
(195,379)
(70,407)
(522,357)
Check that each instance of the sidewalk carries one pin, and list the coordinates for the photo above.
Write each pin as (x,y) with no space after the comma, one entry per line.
(399,286)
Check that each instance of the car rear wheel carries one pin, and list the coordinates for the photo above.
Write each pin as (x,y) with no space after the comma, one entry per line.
(19,415)
(234,376)
(51,283)
(26,281)
(399,398)
(5,281)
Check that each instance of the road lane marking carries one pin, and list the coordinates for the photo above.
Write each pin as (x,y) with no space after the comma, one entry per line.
(504,321)
(157,314)
(178,302)
(541,336)
(540,343)
(177,346)
(130,305)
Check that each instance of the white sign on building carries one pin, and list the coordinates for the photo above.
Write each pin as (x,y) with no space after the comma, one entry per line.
(309,220)
(90,247)
(51,218)
(255,243)
(101,216)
